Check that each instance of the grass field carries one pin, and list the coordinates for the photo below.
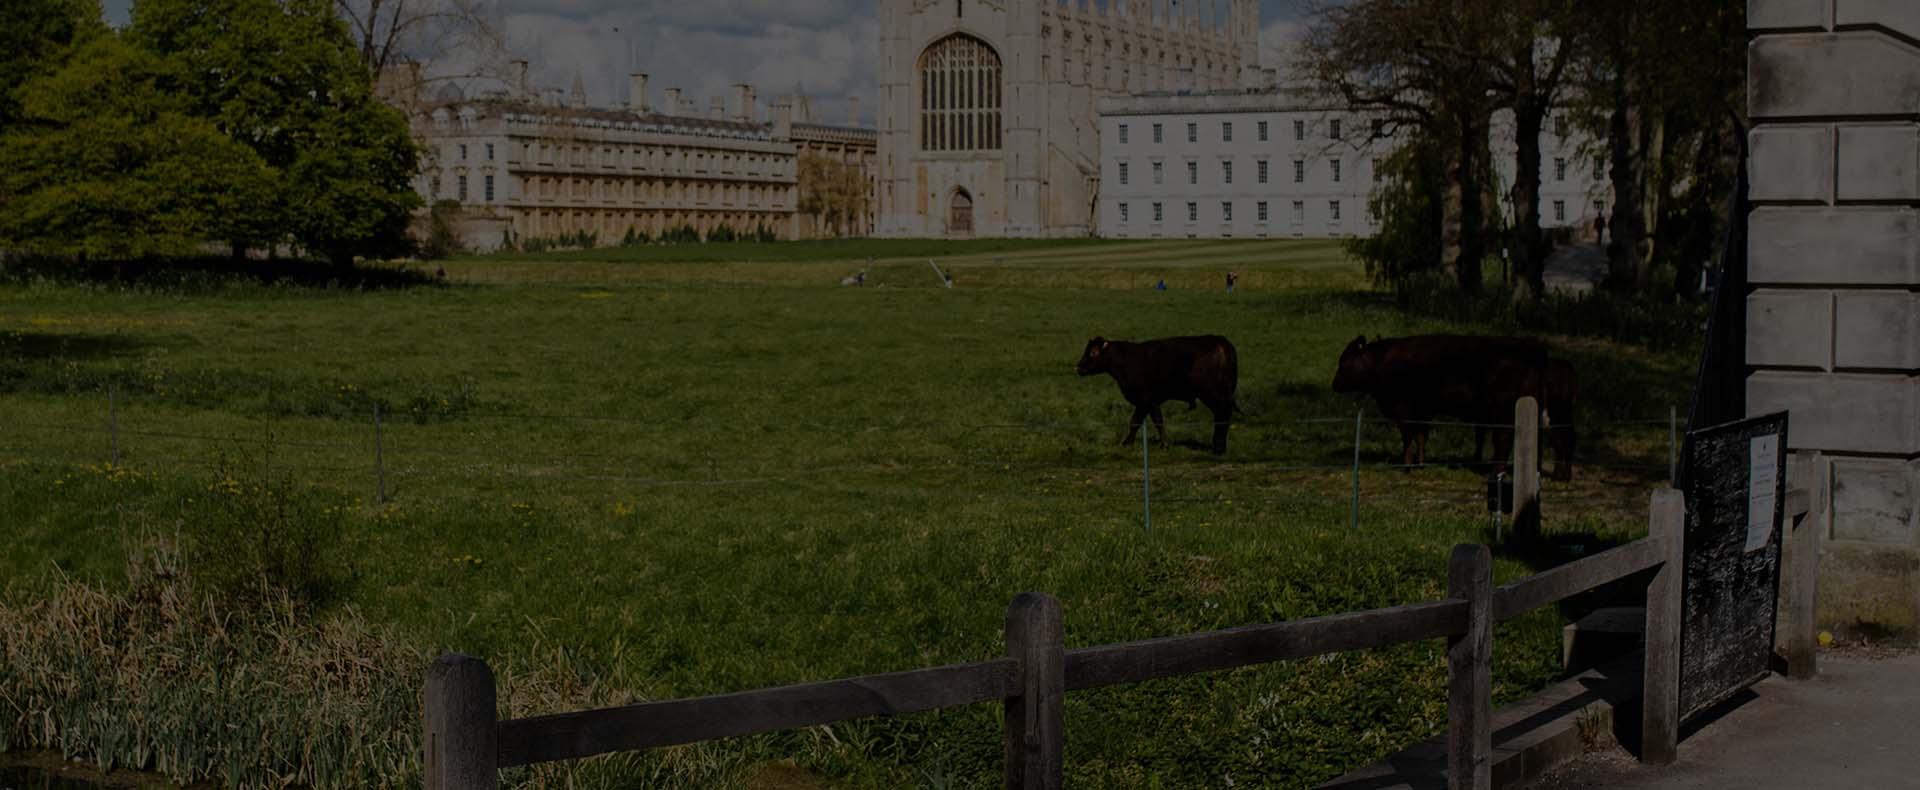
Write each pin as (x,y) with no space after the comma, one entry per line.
(680,471)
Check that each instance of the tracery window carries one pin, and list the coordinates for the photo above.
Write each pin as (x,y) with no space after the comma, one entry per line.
(959,96)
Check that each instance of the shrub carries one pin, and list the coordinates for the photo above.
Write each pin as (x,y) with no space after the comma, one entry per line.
(258,542)
(443,240)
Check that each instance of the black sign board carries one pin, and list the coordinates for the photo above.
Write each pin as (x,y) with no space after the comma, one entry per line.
(1736,495)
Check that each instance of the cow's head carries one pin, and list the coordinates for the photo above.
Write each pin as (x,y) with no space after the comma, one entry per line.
(1095,359)
(1356,367)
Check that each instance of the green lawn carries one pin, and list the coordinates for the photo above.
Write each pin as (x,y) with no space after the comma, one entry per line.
(693,470)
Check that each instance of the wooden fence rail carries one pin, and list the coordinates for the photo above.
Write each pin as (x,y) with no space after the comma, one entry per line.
(466,745)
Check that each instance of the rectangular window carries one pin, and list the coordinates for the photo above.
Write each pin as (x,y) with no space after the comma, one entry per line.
(1299,171)
(1299,130)
(1262,167)
(1333,129)
(1123,213)
(1193,172)
(1333,210)
(1157,133)
(1226,172)
(462,194)
(489,152)
(1159,176)
(1262,129)
(1599,208)
(1226,131)
(1559,168)
(1193,132)
(1261,208)
(1378,174)
(1226,211)
(1379,127)
(1193,211)
(1299,211)
(1123,173)
(1123,134)
(1336,170)
(487,184)
(1157,214)
(463,152)
(433,187)
(1559,211)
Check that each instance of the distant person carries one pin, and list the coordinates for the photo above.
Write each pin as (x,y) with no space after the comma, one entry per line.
(1231,279)
(1600,229)
(1160,286)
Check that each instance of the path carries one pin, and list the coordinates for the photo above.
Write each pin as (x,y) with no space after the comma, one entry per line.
(1851,726)
(1576,268)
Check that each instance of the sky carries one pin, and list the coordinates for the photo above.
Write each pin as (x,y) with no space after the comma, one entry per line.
(827,48)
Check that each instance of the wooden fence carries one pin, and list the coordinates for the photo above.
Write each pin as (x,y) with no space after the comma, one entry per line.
(466,744)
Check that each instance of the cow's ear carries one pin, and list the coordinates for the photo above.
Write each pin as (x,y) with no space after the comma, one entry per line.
(1104,343)
(1360,341)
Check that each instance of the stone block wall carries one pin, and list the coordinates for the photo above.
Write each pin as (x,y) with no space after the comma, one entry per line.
(1833,321)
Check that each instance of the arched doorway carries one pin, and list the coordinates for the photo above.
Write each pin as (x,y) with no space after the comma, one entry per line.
(960,214)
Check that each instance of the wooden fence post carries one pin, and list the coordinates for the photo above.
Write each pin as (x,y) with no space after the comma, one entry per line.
(1035,735)
(1526,468)
(460,736)
(1800,556)
(1470,672)
(1660,698)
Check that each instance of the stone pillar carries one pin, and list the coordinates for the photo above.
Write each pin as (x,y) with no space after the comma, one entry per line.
(517,81)
(673,102)
(1833,320)
(742,102)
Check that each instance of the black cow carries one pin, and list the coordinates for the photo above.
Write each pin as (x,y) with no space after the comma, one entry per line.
(1203,368)
(1562,389)
(1415,379)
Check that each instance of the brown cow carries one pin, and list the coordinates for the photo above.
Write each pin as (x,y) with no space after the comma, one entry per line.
(1562,389)
(1415,379)
(1203,368)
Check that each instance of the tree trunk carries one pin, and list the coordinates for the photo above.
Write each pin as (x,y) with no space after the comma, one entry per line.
(1529,248)
(1473,214)
(1651,140)
(1627,226)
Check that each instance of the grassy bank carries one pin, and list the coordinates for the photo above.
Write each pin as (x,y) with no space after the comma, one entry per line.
(667,477)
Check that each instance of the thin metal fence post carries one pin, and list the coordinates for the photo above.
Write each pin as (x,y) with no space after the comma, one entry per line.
(1146,484)
(379,459)
(113,423)
(1358,419)
(1673,445)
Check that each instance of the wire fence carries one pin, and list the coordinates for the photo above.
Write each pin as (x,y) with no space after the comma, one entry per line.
(382,459)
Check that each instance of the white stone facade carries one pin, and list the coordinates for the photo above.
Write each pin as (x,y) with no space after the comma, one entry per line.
(1833,324)
(525,168)
(1266,164)
(988,117)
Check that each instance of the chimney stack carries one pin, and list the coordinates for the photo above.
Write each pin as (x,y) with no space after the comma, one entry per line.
(742,102)
(783,119)
(637,85)
(717,108)
(672,106)
(517,85)
(853,111)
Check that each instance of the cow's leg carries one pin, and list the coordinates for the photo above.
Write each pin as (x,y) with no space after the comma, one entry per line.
(1160,424)
(1563,453)
(1222,419)
(1479,443)
(1407,433)
(1133,425)
(1421,437)
(1502,448)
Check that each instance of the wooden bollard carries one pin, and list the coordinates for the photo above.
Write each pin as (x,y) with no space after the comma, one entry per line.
(1800,563)
(1035,740)
(1526,468)
(1470,672)
(460,736)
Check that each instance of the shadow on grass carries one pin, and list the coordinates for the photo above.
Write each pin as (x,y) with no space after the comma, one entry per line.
(23,346)
(211,274)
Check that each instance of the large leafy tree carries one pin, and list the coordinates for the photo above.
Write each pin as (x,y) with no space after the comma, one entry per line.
(35,37)
(284,78)
(107,162)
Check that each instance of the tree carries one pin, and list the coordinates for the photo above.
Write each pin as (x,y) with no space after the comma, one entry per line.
(108,164)
(35,37)
(1539,40)
(285,79)
(1427,65)
(832,192)
(424,33)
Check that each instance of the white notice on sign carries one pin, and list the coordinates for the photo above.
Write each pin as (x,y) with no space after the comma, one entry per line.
(1763,470)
